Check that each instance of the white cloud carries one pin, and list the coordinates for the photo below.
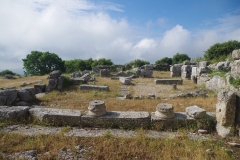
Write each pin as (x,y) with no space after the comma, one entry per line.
(83,29)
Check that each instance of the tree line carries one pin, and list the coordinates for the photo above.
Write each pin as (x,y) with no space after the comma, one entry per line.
(40,63)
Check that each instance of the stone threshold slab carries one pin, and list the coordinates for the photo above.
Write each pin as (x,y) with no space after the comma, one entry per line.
(118,119)
(168,81)
(57,117)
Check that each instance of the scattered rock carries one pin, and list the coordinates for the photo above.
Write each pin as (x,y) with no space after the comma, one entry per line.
(202,131)
(195,112)
(233,144)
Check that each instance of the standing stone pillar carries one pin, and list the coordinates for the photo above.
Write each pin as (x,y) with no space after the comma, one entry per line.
(225,113)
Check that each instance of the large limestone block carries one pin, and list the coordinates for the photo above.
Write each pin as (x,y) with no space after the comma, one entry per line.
(55,74)
(203,64)
(57,117)
(195,112)
(15,113)
(125,80)
(164,110)
(226,108)
(60,81)
(39,88)
(27,94)
(116,119)
(236,54)
(7,97)
(52,84)
(96,108)
(225,131)
(235,69)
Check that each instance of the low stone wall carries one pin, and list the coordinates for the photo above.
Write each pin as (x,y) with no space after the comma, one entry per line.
(168,81)
(113,119)
(181,119)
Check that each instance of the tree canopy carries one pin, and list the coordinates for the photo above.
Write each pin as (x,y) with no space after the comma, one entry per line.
(179,58)
(138,63)
(7,72)
(220,51)
(102,61)
(40,63)
(164,60)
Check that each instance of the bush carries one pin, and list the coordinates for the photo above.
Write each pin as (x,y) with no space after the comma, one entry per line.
(7,72)
(234,82)
(220,51)
(67,81)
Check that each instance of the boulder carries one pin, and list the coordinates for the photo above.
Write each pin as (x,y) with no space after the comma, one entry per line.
(195,112)
(52,84)
(55,74)
(39,88)
(27,94)
(60,81)
(76,75)
(7,97)
(236,54)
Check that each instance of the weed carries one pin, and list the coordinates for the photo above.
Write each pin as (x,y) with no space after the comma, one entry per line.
(234,82)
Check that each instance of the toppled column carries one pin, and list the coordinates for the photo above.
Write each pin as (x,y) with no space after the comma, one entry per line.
(96,108)
(164,111)
(225,113)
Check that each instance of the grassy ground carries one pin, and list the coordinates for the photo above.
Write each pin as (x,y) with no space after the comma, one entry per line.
(109,147)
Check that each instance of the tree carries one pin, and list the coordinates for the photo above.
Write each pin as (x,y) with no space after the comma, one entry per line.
(164,60)
(220,51)
(102,61)
(74,65)
(7,72)
(40,63)
(179,58)
(138,63)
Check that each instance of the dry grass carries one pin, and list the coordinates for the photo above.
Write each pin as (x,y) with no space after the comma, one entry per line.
(74,98)
(110,147)
(18,81)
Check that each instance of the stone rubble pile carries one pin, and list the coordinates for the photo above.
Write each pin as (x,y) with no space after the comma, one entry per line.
(55,81)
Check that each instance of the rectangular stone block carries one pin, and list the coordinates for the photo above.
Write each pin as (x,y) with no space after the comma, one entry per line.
(181,120)
(78,81)
(168,81)
(16,113)
(118,119)
(93,87)
(57,117)
(194,71)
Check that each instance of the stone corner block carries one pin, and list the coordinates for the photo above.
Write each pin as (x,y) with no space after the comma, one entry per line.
(118,119)
(57,117)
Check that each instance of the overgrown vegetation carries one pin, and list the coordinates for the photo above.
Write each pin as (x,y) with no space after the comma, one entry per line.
(110,147)
(220,51)
(8,72)
(234,82)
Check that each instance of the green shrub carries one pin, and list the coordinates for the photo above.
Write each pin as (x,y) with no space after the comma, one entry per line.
(67,81)
(234,82)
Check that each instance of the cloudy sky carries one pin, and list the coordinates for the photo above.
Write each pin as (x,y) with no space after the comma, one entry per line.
(120,30)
